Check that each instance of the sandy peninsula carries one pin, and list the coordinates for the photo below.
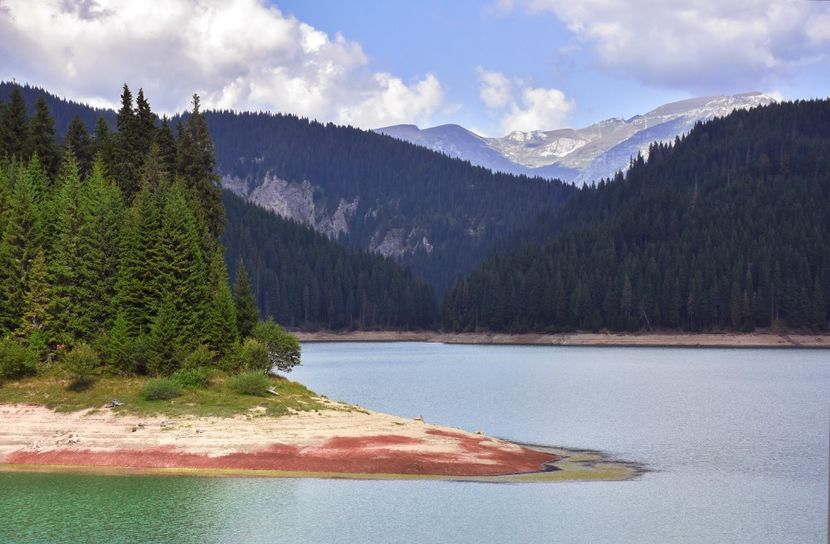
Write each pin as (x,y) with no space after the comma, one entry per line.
(338,442)
(691,340)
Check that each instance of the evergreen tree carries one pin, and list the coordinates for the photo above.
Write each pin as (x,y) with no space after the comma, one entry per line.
(42,138)
(22,239)
(221,333)
(181,267)
(145,124)
(247,314)
(127,158)
(78,140)
(68,293)
(139,287)
(117,345)
(102,215)
(164,349)
(16,126)
(167,148)
(102,143)
(197,167)
(36,300)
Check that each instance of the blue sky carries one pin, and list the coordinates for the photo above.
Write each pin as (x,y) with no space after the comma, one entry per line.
(493,66)
(451,39)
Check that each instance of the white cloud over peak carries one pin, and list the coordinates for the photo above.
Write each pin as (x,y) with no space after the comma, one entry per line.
(535,108)
(239,54)
(698,46)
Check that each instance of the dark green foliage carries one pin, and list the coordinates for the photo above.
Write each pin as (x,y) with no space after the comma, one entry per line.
(197,167)
(447,212)
(22,238)
(78,141)
(247,314)
(42,138)
(36,300)
(283,348)
(167,154)
(303,279)
(192,378)
(220,322)
(127,158)
(250,383)
(15,130)
(729,228)
(161,389)
(117,346)
(164,344)
(16,360)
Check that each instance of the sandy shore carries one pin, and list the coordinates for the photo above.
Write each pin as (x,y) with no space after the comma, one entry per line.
(725,340)
(329,443)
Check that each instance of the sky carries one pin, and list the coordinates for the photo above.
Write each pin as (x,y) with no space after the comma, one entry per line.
(493,66)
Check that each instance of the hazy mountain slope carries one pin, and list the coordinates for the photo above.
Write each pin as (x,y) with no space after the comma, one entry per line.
(580,155)
(436,214)
(728,229)
(62,110)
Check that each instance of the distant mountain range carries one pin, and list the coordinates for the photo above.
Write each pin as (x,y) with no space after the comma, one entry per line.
(579,155)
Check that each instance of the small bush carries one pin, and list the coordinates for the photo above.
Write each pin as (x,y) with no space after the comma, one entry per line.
(161,389)
(83,365)
(283,348)
(200,357)
(250,383)
(192,378)
(16,360)
(255,356)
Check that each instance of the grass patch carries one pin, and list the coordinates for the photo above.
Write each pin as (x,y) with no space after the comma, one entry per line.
(219,400)
(161,389)
(251,383)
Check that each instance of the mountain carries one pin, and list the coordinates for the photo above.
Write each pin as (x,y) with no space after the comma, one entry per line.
(367,191)
(435,214)
(579,155)
(727,229)
(305,280)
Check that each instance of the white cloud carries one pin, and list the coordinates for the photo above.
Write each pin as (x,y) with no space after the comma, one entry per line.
(240,54)
(704,45)
(541,109)
(535,109)
(495,89)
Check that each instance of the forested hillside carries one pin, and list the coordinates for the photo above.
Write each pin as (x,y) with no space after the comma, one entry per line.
(438,215)
(292,267)
(114,261)
(729,228)
(305,280)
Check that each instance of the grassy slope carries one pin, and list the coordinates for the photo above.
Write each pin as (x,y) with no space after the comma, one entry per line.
(218,400)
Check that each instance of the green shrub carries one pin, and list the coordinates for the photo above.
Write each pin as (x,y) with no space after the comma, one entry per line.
(254,355)
(16,360)
(200,357)
(283,348)
(83,365)
(192,378)
(250,383)
(161,389)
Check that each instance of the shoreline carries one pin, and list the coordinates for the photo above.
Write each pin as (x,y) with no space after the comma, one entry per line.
(337,442)
(685,340)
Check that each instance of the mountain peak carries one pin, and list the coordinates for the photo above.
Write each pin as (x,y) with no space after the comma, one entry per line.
(584,154)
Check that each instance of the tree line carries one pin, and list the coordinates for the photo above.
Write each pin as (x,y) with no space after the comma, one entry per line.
(110,244)
(726,229)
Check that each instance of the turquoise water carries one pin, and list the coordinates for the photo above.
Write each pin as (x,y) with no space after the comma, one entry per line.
(737,439)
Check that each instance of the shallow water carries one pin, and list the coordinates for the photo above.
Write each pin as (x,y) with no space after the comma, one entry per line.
(737,439)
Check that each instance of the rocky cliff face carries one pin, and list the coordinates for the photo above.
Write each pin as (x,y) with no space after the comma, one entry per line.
(295,201)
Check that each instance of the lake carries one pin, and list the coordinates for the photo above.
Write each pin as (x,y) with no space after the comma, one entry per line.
(737,442)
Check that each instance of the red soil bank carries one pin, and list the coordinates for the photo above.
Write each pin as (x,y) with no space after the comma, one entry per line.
(380,454)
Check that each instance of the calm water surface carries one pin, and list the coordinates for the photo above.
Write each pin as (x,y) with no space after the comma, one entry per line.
(737,439)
